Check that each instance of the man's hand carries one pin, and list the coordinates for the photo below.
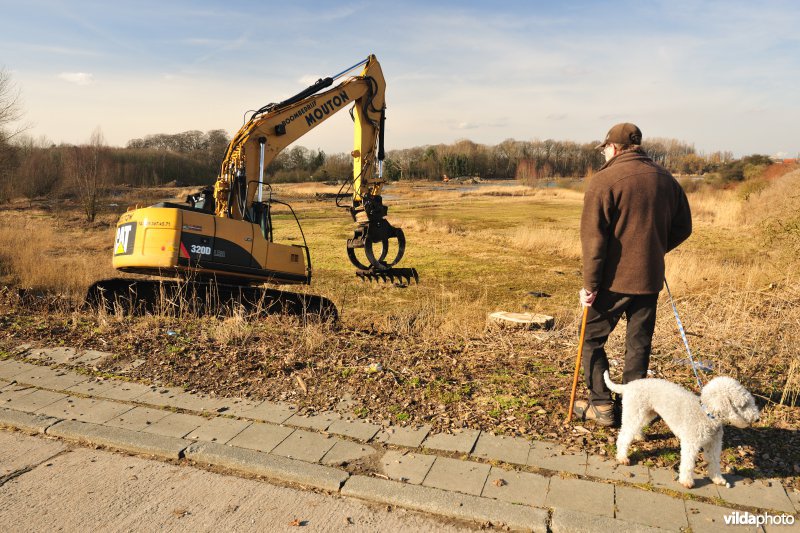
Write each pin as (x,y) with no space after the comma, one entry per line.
(586,297)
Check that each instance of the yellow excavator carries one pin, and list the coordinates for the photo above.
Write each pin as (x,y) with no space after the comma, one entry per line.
(221,240)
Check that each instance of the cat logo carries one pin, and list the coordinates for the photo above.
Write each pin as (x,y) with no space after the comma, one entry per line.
(126,233)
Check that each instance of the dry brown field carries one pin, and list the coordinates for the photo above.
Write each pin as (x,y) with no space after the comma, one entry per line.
(478,248)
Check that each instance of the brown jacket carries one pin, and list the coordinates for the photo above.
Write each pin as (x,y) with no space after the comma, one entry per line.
(634,212)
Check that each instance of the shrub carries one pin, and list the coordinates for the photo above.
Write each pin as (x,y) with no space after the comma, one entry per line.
(690,184)
(750,187)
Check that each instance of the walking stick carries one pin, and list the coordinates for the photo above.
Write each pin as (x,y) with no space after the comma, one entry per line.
(577,364)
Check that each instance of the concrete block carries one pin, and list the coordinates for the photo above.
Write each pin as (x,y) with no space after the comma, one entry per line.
(305,446)
(25,421)
(137,419)
(122,439)
(551,456)
(457,475)
(650,508)
(706,518)
(22,348)
(516,487)
(345,452)
(666,478)
(50,378)
(200,403)
(459,441)
(90,357)
(176,425)
(794,496)
(320,422)
(271,466)
(605,468)
(410,437)
(56,356)
(93,387)
(34,401)
(160,396)
(10,368)
(355,429)
(126,391)
(762,493)
(500,448)
(219,429)
(12,391)
(581,495)
(238,405)
(441,502)
(85,409)
(131,366)
(505,319)
(407,467)
(569,521)
(261,437)
(273,412)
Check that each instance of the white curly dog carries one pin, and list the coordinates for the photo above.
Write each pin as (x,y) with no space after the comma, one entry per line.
(696,421)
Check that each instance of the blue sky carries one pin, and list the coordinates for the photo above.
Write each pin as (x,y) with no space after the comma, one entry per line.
(721,75)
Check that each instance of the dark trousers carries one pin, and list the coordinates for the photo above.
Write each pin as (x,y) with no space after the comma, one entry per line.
(602,318)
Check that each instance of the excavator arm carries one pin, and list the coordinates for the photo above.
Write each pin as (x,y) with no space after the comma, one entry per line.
(275,126)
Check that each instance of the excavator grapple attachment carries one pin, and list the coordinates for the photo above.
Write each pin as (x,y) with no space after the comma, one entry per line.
(376,238)
(365,240)
(383,245)
(399,276)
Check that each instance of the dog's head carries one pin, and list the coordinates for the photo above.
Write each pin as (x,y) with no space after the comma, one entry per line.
(728,401)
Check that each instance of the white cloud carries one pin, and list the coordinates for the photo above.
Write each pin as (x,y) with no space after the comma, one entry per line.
(78,78)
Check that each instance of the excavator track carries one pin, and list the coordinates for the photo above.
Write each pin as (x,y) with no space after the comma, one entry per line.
(180,297)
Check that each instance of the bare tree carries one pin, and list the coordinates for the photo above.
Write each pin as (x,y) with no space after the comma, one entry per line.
(89,169)
(10,106)
(10,112)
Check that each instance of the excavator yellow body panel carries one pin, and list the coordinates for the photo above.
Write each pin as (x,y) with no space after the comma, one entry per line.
(170,239)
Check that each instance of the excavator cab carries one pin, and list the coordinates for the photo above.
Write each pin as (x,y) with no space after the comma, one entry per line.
(203,200)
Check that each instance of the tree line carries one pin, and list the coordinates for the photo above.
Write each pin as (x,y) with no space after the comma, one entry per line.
(31,169)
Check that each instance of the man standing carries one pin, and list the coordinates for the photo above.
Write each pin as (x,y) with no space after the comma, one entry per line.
(634,212)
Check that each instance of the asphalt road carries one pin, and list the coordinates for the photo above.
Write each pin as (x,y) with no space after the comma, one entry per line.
(48,485)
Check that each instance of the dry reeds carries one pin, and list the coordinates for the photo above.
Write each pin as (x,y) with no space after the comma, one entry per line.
(546,239)
(36,254)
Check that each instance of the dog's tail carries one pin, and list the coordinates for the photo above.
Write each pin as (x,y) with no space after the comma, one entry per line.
(619,389)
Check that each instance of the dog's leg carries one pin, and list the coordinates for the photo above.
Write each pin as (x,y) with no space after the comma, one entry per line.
(689,451)
(712,453)
(630,428)
(648,417)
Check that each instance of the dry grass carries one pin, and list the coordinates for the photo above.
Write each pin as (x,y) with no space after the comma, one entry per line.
(479,253)
(544,239)
(39,252)
(303,190)
(538,193)
(720,208)
(427,226)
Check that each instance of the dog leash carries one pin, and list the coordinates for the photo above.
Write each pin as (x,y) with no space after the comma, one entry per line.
(683,336)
